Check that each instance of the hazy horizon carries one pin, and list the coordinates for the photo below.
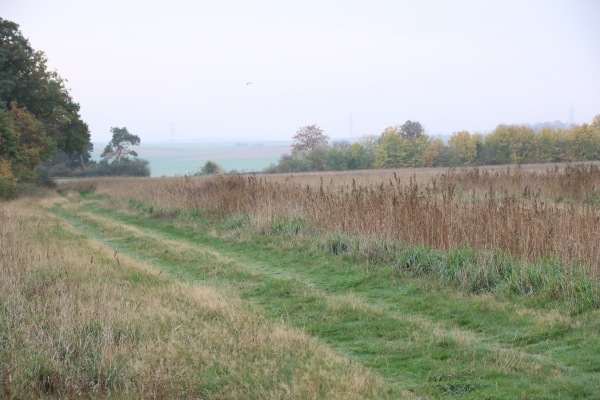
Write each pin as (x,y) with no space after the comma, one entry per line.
(238,70)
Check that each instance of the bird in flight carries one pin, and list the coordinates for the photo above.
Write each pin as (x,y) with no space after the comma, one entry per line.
(248,83)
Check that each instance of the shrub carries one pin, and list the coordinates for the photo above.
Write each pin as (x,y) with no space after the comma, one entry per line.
(211,168)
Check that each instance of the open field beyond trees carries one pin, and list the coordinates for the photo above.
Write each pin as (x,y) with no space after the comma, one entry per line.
(420,283)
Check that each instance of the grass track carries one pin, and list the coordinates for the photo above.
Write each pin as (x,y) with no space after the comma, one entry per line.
(78,320)
(430,340)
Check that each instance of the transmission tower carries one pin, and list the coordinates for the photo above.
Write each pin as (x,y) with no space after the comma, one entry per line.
(571,117)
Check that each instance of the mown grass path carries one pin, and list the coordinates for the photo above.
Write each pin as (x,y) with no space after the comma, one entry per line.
(422,338)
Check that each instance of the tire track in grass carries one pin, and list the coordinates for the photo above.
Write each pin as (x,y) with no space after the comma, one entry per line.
(404,348)
(92,315)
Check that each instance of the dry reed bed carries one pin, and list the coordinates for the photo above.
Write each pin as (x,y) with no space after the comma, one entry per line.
(528,214)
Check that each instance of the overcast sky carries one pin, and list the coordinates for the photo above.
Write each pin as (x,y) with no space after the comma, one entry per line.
(182,69)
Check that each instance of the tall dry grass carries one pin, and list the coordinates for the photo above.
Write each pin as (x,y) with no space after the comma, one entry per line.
(529,214)
(79,320)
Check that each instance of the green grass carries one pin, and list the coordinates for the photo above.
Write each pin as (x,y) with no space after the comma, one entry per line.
(426,335)
(83,318)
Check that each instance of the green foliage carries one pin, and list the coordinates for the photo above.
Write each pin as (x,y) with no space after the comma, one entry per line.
(586,140)
(126,167)
(118,158)
(520,144)
(34,145)
(412,130)
(9,142)
(337,244)
(398,321)
(463,149)
(37,114)
(337,159)
(211,168)
(398,149)
(408,146)
(475,271)
(510,144)
(289,227)
(118,148)
(361,155)
(317,158)
(62,164)
(23,146)
(8,187)
(291,163)
(237,221)
(389,150)
(25,79)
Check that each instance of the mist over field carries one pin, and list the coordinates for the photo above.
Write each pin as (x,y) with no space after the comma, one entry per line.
(349,200)
(178,159)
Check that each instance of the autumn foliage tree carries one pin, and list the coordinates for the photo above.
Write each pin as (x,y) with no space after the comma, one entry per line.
(309,138)
(37,114)
(400,146)
(408,145)
(33,147)
(462,148)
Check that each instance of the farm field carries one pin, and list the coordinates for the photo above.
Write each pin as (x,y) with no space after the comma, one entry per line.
(471,283)
(179,159)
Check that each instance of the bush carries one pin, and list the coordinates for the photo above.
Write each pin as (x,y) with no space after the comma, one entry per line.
(211,168)
(7,188)
(7,180)
(125,167)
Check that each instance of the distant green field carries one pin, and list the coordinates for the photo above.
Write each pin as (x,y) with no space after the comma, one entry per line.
(184,158)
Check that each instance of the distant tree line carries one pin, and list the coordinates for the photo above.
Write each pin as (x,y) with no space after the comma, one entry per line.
(408,145)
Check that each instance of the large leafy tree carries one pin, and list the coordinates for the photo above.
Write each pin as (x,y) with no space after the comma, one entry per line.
(463,148)
(412,130)
(397,149)
(118,157)
(27,86)
(586,144)
(433,153)
(119,147)
(33,147)
(391,148)
(309,138)
(547,146)
(510,144)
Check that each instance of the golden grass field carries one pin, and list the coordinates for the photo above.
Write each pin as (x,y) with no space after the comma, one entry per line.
(478,282)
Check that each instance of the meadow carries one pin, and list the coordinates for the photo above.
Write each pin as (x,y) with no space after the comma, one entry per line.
(414,283)
(536,217)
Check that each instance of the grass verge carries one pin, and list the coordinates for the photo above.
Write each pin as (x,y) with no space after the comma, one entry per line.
(79,318)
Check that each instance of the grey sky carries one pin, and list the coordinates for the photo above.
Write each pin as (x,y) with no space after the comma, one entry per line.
(451,65)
